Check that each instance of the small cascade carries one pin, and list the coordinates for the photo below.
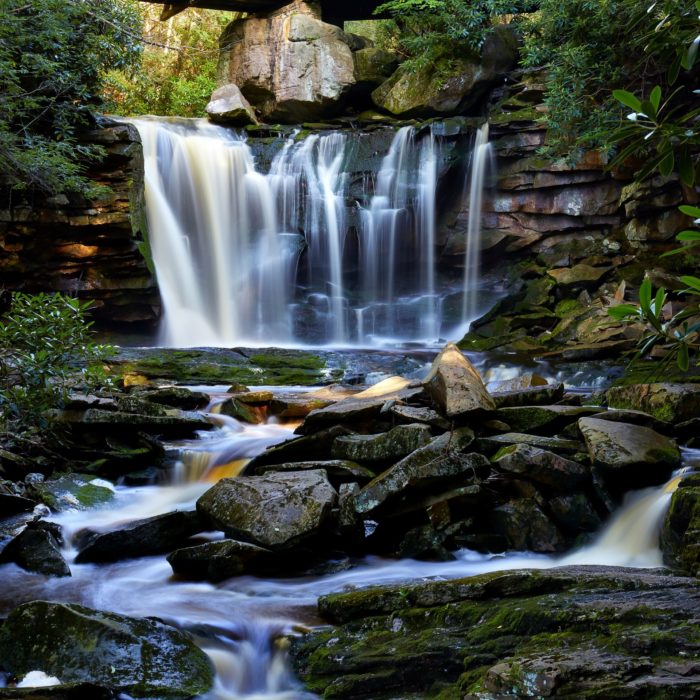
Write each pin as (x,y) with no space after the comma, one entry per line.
(481,161)
(301,253)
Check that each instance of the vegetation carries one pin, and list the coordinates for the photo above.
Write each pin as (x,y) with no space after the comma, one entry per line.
(177,71)
(46,347)
(53,56)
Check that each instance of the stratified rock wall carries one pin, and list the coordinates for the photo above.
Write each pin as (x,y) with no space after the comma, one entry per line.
(86,248)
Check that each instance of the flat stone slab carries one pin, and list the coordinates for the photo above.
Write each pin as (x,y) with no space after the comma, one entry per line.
(555,444)
(525,418)
(672,403)
(343,470)
(381,447)
(535,396)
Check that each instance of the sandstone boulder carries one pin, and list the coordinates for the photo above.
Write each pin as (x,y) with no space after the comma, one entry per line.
(275,511)
(228,106)
(455,386)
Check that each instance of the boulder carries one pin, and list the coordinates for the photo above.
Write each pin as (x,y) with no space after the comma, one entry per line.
(455,386)
(436,465)
(177,397)
(218,561)
(81,491)
(338,470)
(541,466)
(290,66)
(525,527)
(636,455)
(620,415)
(535,396)
(141,658)
(276,510)
(373,66)
(228,106)
(672,403)
(420,414)
(296,405)
(496,442)
(11,504)
(382,447)
(140,538)
(542,418)
(680,535)
(171,423)
(522,381)
(574,514)
(37,549)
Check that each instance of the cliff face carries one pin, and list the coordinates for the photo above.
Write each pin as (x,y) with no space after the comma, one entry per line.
(88,248)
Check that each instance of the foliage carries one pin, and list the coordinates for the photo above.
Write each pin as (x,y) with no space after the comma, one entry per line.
(436,32)
(45,347)
(177,72)
(53,54)
(677,334)
(590,46)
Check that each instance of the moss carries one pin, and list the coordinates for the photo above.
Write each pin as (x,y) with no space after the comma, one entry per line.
(568,307)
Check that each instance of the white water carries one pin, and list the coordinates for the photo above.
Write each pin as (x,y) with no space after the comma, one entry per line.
(482,160)
(244,257)
(239,623)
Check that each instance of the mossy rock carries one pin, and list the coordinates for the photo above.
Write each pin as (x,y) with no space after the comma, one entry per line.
(67,491)
(144,657)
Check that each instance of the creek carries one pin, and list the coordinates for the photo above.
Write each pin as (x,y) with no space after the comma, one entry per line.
(242,623)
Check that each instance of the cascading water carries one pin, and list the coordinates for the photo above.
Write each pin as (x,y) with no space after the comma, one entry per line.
(481,162)
(244,257)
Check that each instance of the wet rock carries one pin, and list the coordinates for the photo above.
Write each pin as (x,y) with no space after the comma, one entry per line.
(542,418)
(275,510)
(140,538)
(635,628)
(11,504)
(635,418)
(579,275)
(143,658)
(536,396)
(574,514)
(81,491)
(436,465)
(455,386)
(37,549)
(397,443)
(525,527)
(349,523)
(177,397)
(338,470)
(672,403)
(228,106)
(170,423)
(541,466)
(523,381)
(680,536)
(218,561)
(420,414)
(634,455)
(296,405)
(555,444)
(241,411)
(315,446)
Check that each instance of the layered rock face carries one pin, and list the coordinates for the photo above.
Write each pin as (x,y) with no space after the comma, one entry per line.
(87,248)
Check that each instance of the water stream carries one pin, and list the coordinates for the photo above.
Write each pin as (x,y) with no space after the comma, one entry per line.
(241,623)
(299,254)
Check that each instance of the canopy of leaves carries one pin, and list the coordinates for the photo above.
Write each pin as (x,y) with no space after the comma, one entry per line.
(53,54)
(177,72)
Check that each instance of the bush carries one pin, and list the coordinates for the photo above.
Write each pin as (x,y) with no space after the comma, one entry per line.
(46,348)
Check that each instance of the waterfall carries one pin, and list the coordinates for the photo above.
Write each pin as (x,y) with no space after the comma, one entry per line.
(296,255)
(482,155)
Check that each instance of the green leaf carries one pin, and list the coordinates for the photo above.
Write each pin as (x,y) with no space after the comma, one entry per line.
(683,358)
(659,301)
(686,169)
(692,282)
(685,236)
(666,163)
(690,211)
(645,294)
(655,98)
(623,311)
(628,99)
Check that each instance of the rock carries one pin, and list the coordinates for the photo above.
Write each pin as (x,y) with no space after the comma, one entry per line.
(37,549)
(574,514)
(349,523)
(394,637)
(397,443)
(171,423)
(455,386)
(542,418)
(11,504)
(228,106)
(434,466)
(420,414)
(680,536)
(296,405)
(373,66)
(177,397)
(496,442)
(81,491)
(218,561)
(274,511)
(537,396)
(241,411)
(541,466)
(139,538)
(290,65)
(629,454)
(579,275)
(422,92)
(338,470)
(142,658)
(636,418)
(525,527)
(522,381)
(672,403)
